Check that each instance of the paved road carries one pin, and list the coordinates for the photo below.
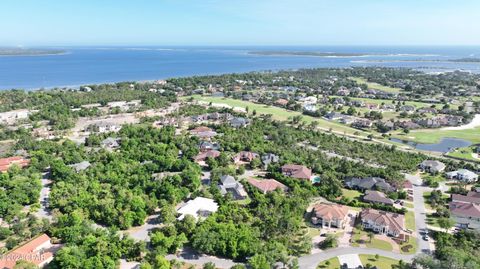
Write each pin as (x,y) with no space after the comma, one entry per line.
(420,212)
(311,261)
(190,256)
(44,212)
(141,233)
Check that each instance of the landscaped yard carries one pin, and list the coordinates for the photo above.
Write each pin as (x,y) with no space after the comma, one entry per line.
(381,263)
(361,237)
(412,241)
(410,220)
(351,194)
(332,263)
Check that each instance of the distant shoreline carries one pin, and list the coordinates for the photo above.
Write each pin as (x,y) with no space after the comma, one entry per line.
(14,52)
(306,53)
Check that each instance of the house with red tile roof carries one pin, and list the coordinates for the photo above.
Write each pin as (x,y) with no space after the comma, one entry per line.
(245,156)
(382,222)
(6,163)
(202,156)
(465,210)
(267,185)
(38,251)
(329,215)
(297,171)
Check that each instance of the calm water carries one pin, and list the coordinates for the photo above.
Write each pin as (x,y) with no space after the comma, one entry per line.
(445,145)
(97,65)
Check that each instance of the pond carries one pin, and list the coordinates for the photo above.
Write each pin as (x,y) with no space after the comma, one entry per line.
(445,145)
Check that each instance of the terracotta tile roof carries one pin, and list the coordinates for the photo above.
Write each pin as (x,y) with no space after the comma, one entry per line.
(395,222)
(201,129)
(207,154)
(267,185)
(5,163)
(465,209)
(38,251)
(466,198)
(297,171)
(330,211)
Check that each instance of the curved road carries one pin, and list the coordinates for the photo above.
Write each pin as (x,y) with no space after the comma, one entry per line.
(312,260)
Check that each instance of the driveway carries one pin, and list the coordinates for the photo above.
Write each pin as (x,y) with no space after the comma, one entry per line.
(352,260)
(140,233)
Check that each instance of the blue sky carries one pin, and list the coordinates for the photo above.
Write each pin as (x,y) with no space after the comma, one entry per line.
(239,22)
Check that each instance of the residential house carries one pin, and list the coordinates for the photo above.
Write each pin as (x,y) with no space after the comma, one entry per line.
(329,215)
(202,156)
(269,158)
(427,110)
(382,222)
(267,185)
(105,127)
(199,207)
(6,163)
(239,122)
(310,107)
(228,184)
(362,123)
(203,132)
(110,143)
(78,167)
(465,210)
(39,251)
(369,183)
(462,175)
(432,166)
(297,171)
(281,102)
(245,156)
(409,125)
(333,115)
(206,146)
(347,119)
(407,109)
(376,197)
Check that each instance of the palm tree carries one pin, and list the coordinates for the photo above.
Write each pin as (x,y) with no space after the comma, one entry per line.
(370,236)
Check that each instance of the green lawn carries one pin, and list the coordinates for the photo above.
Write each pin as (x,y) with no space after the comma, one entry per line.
(379,244)
(333,263)
(279,113)
(413,242)
(376,86)
(351,194)
(435,135)
(410,220)
(464,153)
(381,263)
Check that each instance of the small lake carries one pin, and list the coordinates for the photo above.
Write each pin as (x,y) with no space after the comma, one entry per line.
(445,145)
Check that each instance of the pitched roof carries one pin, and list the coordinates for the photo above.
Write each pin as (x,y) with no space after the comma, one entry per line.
(37,251)
(207,154)
(377,197)
(267,185)
(471,197)
(395,222)
(297,171)
(6,163)
(465,209)
(193,207)
(330,211)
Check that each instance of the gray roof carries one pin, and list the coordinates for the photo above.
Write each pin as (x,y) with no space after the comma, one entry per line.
(80,166)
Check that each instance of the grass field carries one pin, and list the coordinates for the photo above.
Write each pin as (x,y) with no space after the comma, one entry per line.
(351,194)
(376,86)
(410,220)
(333,263)
(280,113)
(379,244)
(435,135)
(464,153)
(381,263)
